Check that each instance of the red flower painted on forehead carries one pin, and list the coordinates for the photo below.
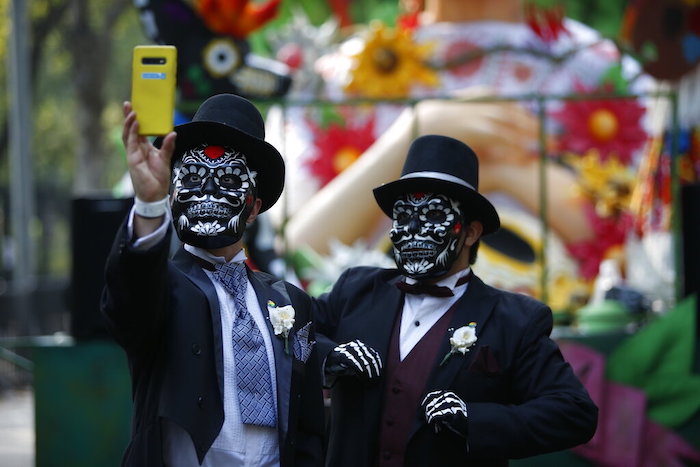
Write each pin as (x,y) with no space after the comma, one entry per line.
(419,195)
(214,152)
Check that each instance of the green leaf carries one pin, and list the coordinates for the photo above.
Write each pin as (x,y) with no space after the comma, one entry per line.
(615,79)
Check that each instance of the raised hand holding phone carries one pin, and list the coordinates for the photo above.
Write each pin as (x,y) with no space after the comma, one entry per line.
(149,168)
(150,113)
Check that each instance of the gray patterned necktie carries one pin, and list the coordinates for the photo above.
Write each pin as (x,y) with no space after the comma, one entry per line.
(253,379)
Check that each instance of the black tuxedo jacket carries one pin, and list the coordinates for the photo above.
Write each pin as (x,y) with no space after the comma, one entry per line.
(165,314)
(522,398)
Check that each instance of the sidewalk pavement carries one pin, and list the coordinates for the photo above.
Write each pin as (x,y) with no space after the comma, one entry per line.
(17,428)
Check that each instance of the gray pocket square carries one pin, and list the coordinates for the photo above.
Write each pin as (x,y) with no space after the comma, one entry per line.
(301,345)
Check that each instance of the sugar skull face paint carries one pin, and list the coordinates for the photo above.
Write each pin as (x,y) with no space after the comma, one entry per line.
(426,234)
(214,194)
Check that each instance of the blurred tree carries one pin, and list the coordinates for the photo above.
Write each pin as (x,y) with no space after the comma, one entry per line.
(89,40)
(80,61)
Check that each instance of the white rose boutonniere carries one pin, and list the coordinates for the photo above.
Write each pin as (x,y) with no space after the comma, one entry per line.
(461,341)
(282,319)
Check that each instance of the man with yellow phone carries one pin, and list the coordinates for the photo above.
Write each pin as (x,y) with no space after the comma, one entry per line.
(223,361)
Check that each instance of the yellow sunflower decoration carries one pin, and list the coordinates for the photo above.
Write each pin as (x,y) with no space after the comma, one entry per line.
(608,183)
(389,64)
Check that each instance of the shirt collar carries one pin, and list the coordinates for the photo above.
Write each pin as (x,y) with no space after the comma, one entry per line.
(207,256)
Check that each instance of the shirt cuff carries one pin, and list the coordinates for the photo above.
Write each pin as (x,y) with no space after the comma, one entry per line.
(150,240)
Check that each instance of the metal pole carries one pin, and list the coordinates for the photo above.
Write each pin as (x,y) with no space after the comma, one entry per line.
(20,157)
(543,197)
(676,206)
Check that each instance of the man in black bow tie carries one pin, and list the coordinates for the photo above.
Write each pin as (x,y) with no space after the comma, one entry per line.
(223,364)
(428,365)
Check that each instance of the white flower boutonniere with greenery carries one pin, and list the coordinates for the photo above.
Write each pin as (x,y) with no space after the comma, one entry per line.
(282,319)
(461,341)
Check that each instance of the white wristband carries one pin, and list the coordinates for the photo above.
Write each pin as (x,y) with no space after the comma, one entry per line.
(153,209)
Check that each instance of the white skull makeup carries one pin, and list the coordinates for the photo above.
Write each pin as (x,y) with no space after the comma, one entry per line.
(214,194)
(426,232)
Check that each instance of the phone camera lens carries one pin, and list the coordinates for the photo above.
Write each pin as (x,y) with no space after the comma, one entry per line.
(153,60)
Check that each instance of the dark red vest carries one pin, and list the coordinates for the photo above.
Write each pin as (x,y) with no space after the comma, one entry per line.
(405,388)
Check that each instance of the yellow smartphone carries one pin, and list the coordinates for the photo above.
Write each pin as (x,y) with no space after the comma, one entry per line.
(153,77)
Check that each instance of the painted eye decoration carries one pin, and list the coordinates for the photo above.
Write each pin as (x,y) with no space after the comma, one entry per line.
(435,215)
(402,217)
(191,180)
(221,57)
(233,179)
(230,182)
(192,176)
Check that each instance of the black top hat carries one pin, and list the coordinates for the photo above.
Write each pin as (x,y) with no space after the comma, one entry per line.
(233,121)
(442,165)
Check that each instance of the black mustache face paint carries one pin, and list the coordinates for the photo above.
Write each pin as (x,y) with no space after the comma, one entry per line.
(425,232)
(214,193)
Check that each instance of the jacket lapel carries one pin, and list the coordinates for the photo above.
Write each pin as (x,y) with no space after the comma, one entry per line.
(186,263)
(283,362)
(380,325)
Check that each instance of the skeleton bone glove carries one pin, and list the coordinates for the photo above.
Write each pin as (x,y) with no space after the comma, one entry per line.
(353,358)
(446,409)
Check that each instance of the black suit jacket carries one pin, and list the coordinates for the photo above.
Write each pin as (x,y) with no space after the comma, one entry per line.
(522,398)
(165,314)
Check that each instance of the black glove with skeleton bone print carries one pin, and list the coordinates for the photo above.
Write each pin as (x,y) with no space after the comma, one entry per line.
(353,358)
(444,409)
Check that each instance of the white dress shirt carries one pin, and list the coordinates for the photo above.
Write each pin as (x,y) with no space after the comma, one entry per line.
(237,444)
(421,312)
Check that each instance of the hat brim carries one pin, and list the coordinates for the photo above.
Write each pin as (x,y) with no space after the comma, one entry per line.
(261,156)
(474,203)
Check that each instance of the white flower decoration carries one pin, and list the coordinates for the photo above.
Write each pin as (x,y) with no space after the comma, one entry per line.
(461,341)
(282,319)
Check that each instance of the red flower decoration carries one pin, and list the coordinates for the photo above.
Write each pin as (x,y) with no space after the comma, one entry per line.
(465,58)
(236,18)
(338,146)
(546,22)
(341,10)
(612,126)
(409,21)
(609,232)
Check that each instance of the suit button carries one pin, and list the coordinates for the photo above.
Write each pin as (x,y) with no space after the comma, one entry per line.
(389,423)
(200,401)
(395,390)
(196,349)
(386,455)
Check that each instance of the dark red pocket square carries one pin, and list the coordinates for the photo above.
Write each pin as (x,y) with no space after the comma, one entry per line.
(485,361)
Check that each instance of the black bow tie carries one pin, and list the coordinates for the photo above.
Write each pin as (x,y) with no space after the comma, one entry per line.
(427,289)
(431,289)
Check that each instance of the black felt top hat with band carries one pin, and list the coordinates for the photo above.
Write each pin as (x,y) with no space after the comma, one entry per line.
(233,121)
(442,165)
